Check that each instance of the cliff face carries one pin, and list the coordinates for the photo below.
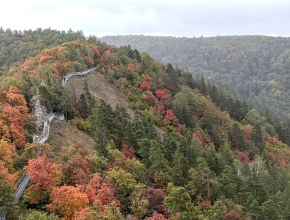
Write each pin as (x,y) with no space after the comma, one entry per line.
(39,110)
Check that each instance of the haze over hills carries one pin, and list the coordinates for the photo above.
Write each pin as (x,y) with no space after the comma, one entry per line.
(258,67)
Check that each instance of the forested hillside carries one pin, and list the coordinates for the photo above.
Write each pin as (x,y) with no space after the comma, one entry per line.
(218,159)
(256,66)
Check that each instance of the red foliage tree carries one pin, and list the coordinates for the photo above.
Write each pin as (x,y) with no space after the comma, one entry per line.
(165,98)
(169,116)
(148,79)
(159,94)
(275,139)
(179,128)
(106,48)
(99,192)
(232,215)
(145,85)
(271,158)
(243,157)
(283,159)
(156,201)
(78,169)
(130,67)
(161,109)
(169,84)
(247,134)
(200,137)
(40,171)
(205,205)
(156,216)
(55,71)
(150,98)
(128,152)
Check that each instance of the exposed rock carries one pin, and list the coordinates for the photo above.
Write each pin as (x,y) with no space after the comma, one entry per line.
(39,111)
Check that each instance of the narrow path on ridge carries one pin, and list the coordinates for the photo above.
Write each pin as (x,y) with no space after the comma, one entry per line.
(25,179)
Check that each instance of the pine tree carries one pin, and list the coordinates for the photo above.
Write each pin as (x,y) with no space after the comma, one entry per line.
(170,146)
(99,129)
(179,171)
(254,209)
(270,211)
(228,184)
(257,137)
(215,95)
(237,135)
(129,135)
(286,213)
(85,107)
(227,154)
(157,158)
(202,86)
(194,151)
(144,151)
(137,55)
(238,112)
(214,161)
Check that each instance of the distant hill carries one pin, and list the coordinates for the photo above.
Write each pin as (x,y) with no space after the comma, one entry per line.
(258,67)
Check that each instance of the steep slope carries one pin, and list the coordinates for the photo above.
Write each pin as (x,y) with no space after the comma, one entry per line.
(63,133)
(100,88)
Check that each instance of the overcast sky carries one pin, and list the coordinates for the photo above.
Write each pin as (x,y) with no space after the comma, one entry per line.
(150,17)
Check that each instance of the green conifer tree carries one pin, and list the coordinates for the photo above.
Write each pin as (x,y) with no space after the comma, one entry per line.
(270,210)
(179,170)
(170,146)
(98,128)
(157,158)
(257,137)
(237,136)
(144,151)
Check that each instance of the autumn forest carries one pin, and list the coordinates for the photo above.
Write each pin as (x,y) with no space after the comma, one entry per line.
(198,141)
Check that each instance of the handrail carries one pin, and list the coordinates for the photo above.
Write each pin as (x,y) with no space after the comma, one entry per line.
(20,179)
(84,72)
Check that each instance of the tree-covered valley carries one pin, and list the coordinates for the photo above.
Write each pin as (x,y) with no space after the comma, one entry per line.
(189,150)
(256,66)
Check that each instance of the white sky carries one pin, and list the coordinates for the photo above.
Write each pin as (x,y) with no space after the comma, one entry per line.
(150,17)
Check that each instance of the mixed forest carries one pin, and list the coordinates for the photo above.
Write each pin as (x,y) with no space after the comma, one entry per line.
(218,159)
(256,66)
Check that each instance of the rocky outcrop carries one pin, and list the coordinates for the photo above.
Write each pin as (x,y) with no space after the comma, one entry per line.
(39,111)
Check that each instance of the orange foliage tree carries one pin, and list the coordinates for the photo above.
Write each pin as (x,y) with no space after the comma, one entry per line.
(66,200)
(9,178)
(7,154)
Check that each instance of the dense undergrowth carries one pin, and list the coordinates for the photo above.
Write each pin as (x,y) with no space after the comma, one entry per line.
(218,159)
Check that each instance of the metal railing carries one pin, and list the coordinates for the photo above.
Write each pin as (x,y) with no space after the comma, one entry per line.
(84,72)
